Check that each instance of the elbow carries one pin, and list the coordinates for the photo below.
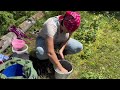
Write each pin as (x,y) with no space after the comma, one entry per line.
(50,53)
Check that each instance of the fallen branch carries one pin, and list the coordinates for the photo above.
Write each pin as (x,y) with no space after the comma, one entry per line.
(6,40)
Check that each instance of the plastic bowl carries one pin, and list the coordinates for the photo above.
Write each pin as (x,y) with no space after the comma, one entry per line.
(23,50)
(18,44)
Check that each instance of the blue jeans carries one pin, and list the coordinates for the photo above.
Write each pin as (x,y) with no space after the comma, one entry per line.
(72,47)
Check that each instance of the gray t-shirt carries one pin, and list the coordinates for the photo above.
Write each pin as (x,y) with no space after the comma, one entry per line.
(51,28)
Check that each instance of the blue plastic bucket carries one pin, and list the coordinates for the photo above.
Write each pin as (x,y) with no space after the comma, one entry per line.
(13,70)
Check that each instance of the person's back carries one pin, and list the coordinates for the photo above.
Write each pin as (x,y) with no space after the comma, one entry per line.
(51,28)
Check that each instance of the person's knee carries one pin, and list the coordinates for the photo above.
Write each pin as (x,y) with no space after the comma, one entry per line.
(39,50)
(40,53)
(80,47)
(74,46)
(74,49)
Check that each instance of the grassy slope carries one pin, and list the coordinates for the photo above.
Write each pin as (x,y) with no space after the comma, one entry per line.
(104,59)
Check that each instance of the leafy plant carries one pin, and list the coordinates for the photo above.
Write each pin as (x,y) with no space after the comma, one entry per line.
(91,75)
(6,19)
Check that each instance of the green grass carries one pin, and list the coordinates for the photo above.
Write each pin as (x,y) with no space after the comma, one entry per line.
(103,55)
(104,61)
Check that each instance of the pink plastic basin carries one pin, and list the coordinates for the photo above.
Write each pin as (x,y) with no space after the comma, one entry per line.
(18,44)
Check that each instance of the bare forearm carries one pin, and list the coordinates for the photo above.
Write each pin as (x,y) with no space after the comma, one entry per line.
(54,59)
(63,45)
(52,55)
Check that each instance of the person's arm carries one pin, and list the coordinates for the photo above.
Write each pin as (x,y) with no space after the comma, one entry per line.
(63,45)
(52,55)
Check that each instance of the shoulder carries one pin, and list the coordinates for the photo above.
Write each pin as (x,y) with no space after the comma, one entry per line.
(52,21)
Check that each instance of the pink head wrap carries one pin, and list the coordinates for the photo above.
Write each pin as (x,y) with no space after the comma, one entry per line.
(71,20)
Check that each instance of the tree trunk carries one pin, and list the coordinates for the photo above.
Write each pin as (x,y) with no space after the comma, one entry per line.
(6,40)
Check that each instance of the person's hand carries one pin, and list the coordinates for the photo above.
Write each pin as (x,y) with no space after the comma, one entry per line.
(61,55)
(63,70)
